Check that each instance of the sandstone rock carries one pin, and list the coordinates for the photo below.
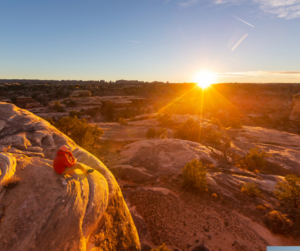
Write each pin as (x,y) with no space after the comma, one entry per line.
(45,210)
(2,124)
(163,156)
(7,167)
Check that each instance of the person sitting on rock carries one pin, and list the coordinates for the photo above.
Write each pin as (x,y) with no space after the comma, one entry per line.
(66,163)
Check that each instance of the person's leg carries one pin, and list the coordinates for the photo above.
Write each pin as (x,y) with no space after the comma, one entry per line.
(69,170)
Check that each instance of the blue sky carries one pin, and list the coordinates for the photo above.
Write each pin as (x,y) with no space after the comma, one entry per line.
(148,40)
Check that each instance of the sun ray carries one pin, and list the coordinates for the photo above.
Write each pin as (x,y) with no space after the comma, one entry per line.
(173,101)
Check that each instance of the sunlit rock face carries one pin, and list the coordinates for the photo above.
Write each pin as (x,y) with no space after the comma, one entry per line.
(46,211)
(295,106)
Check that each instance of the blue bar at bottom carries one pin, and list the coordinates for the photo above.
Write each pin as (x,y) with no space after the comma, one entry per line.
(283,249)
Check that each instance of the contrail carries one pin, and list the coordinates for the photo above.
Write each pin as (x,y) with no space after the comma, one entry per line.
(243,21)
(132,41)
(241,40)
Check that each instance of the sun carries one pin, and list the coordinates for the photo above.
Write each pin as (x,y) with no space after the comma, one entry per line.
(205,79)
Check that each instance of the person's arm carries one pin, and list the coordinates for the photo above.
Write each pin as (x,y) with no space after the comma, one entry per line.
(68,162)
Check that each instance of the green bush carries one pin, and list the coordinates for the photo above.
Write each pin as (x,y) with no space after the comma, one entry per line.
(50,120)
(58,107)
(84,134)
(151,133)
(162,133)
(161,248)
(255,159)
(277,222)
(251,189)
(191,130)
(194,175)
(235,123)
(289,190)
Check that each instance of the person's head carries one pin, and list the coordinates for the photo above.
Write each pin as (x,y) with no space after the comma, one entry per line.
(64,148)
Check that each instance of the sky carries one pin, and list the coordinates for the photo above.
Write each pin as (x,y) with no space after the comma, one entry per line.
(151,40)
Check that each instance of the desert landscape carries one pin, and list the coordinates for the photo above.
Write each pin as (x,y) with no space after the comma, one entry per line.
(144,138)
(153,125)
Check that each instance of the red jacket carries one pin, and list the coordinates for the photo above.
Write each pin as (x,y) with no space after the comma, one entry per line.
(62,161)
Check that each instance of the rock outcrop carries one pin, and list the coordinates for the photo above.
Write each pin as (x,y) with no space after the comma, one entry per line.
(40,210)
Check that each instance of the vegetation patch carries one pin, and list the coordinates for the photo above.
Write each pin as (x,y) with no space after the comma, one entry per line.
(289,190)
(194,175)
(277,222)
(255,159)
(251,189)
(191,130)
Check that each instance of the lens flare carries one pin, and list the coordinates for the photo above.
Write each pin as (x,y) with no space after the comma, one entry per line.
(205,79)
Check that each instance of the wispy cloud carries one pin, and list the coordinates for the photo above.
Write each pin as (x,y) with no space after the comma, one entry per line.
(132,41)
(290,74)
(286,9)
(243,21)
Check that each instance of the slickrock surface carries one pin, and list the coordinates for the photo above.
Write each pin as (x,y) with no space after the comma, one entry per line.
(46,211)
(149,170)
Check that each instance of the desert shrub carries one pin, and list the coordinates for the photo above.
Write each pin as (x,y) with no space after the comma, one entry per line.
(234,123)
(165,120)
(261,208)
(277,222)
(151,133)
(251,189)
(162,133)
(216,121)
(80,131)
(289,190)
(161,248)
(122,121)
(255,159)
(58,107)
(50,120)
(211,136)
(191,130)
(11,182)
(74,113)
(194,175)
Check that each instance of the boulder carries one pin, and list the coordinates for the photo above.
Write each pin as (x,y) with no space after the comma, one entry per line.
(159,157)
(44,211)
